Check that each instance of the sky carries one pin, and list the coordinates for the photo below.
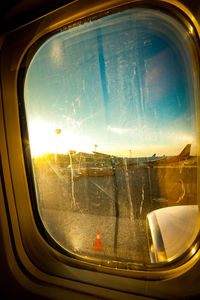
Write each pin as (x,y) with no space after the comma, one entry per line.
(123,83)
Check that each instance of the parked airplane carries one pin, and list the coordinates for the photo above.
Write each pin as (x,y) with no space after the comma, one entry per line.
(159,160)
(166,160)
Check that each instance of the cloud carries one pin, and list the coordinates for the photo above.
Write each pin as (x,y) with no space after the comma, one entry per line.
(119,130)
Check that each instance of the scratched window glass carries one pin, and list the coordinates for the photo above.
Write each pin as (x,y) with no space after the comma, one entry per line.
(111,115)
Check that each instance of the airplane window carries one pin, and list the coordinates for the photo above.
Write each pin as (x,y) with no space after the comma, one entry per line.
(110,108)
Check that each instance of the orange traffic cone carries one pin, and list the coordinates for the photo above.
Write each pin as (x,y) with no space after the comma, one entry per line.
(98,245)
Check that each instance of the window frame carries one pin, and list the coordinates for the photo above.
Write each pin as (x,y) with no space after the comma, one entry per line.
(48,265)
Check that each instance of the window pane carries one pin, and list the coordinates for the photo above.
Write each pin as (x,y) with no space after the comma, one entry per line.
(112,125)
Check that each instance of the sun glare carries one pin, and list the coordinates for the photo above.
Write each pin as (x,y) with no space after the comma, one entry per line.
(41,138)
(44,138)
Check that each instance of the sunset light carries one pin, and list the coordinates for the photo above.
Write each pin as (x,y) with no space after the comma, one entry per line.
(43,139)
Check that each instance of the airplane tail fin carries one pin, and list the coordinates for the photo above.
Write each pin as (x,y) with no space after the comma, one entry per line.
(185,153)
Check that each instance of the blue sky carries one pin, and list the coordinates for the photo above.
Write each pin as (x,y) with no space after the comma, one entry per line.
(120,82)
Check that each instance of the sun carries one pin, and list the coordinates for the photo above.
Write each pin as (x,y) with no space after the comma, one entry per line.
(42,138)
(45,138)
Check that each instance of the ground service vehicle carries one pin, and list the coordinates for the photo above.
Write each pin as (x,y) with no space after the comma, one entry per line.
(99,149)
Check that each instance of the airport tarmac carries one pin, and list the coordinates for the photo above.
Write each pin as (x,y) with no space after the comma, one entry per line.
(73,210)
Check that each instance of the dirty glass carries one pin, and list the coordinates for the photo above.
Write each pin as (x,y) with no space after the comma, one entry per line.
(111,116)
